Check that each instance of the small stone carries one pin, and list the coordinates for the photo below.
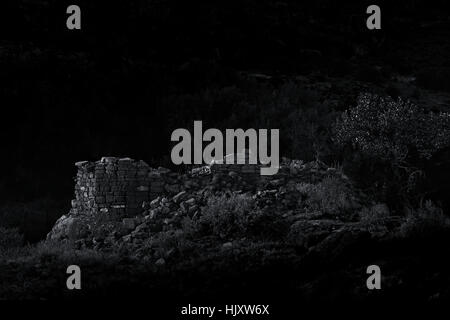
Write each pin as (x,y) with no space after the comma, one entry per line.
(126,238)
(193,209)
(140,228)
(152,214)
(81,163)
(145,205)
(160,262)
(142,188)
(154,203)
(108,159)
(227,245)
(163,170)
(179,197)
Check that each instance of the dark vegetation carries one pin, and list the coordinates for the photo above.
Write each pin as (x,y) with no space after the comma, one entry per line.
(231,250)
(392,144)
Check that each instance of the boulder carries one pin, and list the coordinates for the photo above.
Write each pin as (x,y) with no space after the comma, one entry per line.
(68,227)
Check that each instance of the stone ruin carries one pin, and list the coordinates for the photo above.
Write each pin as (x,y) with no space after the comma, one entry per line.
(130,191)
(113,185)
(120,186)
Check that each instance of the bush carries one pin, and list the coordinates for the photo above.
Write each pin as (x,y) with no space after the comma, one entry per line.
(227,216)
(331,196)
(391,142)
(235,216)
(10,238)
(375,214)
(392,130)
(374,218)
(168,244)
(427,220)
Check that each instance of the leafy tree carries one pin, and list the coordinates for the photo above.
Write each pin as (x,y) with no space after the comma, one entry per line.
(391,142)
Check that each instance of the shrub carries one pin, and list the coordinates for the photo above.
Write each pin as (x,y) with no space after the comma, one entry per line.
(374,214)
(391,141)
(227,216)
(233,216)
(391,130)
(166,244)
(332,196)
(374,217)
(10,238)
(427,220)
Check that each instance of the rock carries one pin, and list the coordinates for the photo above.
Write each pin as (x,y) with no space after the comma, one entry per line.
(277,182)
(163,170)
(165,210)
(81,163)
(145,205)
(129,223)
(142,188)
(140,228)
(190,202)
(179,197)
(126,238)
(155,202)
(227,245)
(192,209)
(70,227)
(160,262)
(152,215)
(108,159)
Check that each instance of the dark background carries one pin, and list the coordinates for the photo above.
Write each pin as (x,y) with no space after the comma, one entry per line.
(139,69)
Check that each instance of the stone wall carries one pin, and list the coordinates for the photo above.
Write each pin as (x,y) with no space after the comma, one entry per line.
(130,191)
(123,186)
(114,185)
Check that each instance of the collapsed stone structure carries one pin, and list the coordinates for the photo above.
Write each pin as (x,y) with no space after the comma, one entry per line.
(121,185)
(117,186)
(123,189)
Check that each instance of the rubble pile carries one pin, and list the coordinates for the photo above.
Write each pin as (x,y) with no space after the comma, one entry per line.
(123,201)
